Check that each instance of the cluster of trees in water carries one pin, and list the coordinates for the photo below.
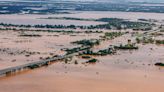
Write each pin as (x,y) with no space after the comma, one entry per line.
(126,47)
(88,51)
(124,24)
(159,64)
(112,35)
(86,46)
(90,43)
(144,40)
(24,34)
(14,52)
(103,52)
(93,42)
(69,18)
(112,23)
(75,50)
(159,41)
(92,60)
(38,26)
(149,40)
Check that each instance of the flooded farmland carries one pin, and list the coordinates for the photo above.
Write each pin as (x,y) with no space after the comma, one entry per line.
(130,70)
(133,68)
(35,18)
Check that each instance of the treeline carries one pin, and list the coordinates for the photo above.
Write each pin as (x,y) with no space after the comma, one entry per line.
(50,26)
(38,26)
(69,18)
(124,24)
(90,43)
(112,23)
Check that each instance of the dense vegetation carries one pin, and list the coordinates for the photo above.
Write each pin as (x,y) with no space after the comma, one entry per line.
(159,64)
(90,43)
(126,47)
(92,61)
(30,35)
(112,35)
(103,52)
(123,24)
(69,18)
(159,41)
(76,49)
(111,23)
(145,40)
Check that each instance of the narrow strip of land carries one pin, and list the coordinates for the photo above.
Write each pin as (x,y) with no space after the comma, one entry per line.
(33,65)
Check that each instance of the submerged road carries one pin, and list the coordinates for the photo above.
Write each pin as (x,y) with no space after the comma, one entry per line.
(32,65)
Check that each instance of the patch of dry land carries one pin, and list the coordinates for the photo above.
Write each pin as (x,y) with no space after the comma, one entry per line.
(122,70)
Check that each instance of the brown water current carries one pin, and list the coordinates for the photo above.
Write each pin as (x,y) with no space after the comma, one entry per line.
(126,71)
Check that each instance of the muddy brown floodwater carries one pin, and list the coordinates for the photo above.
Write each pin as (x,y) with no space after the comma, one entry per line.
(127,71)
(35,18)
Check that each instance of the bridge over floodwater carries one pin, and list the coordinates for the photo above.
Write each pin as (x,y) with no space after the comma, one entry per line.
(33,65)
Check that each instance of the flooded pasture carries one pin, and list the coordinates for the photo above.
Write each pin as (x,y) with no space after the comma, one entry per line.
(123,71)
(35,19)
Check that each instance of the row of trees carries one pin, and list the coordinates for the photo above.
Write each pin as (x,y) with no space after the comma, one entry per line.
(111,23)
(90,43)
